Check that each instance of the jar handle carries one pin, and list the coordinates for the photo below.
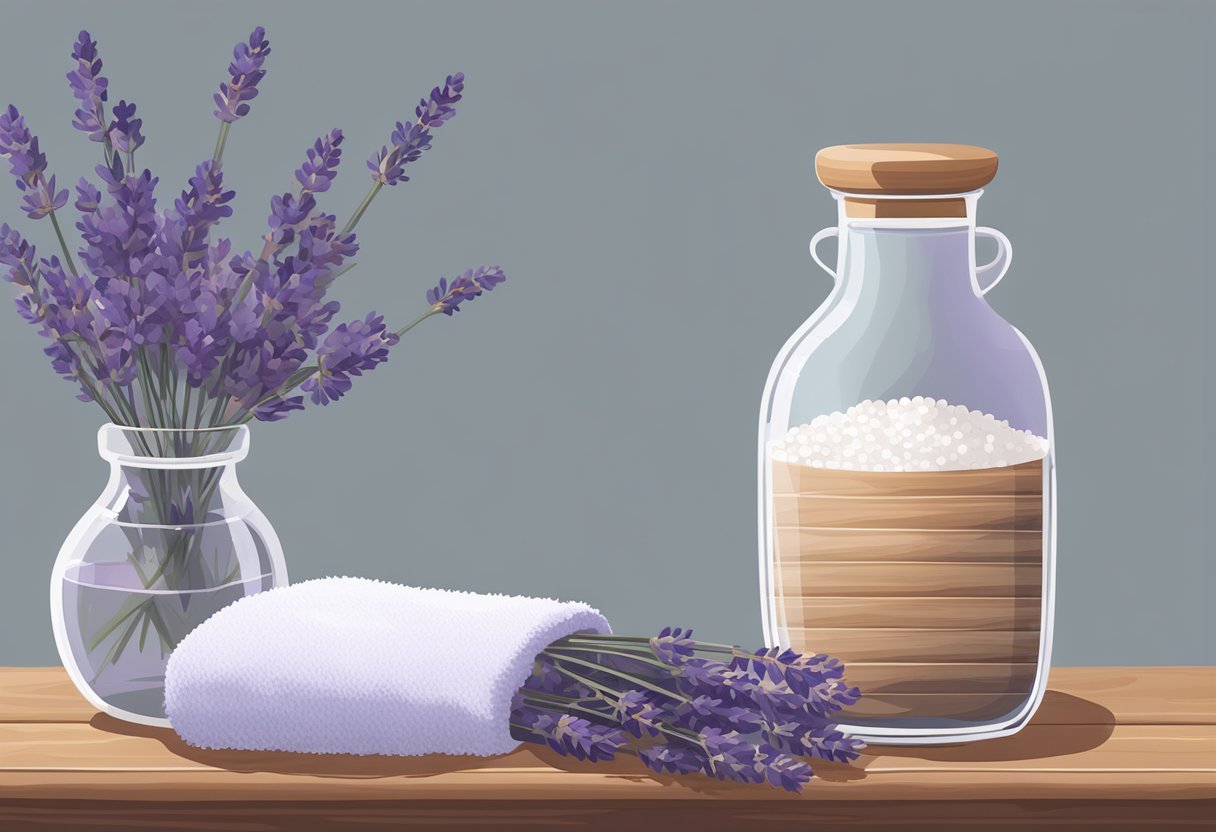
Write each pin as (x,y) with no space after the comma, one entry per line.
(1000,265)
(831,231)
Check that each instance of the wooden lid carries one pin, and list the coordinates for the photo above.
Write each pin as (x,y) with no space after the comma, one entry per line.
(905,169)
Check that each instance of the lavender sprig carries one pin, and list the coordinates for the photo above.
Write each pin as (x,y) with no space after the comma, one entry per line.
(28,164)
(447,297)
(683,706)
(407,142)
(244,74)
(89,87)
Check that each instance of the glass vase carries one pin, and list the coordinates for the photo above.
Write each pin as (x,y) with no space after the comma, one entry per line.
(171,540)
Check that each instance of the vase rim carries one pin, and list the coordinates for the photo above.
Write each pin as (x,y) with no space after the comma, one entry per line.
(156,447)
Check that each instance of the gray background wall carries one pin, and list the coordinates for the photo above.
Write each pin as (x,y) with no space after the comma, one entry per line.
(643,171)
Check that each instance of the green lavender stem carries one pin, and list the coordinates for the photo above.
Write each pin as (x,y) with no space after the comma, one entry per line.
(220,142)
(63,245)
(362,209)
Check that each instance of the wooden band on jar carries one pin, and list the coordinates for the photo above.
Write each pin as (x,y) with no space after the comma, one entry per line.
(861,207)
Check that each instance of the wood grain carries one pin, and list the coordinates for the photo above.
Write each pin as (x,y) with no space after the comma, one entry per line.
(996,511)
(1008,613)
(940,677)
(905,168)
(799,545)
(94,764)
(881,580)
(1126,748)
(792,478)
(907,645)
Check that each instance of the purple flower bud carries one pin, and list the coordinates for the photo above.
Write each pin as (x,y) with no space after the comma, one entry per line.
(673,647)
(670,759)
(202,205)
(409,141)
(244,74)
(570,735)
(42,199)
(638,714)
(446,298)
(438,108)
(782,770)
(287,213)
(89,87)
(124,129)
(28,164)
(321,165)
(19,256)
(20,147)
(349,350)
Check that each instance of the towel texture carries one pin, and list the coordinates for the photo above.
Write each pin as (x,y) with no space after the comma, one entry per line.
(354,666)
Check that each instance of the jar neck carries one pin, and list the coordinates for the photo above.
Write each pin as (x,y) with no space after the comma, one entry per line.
(172,448)
(908,257)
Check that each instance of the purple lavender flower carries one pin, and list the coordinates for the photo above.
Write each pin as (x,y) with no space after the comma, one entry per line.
(673,647)
(321,163)
(548,679)
(288,212)
(671,759)
(245,72)
(681,713)
(158,300)
(782,770)
(707,710)
(20,146)
(826,743)
(446,298)
(120,234)
(439,106)
(28,164)
(20,257)
(89,87)
(350,350)
(574,736)
(124,132)
(183,234)
(638,714)
(730,755)
(407,142)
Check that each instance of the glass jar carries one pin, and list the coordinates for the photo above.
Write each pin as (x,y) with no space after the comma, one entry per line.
(171,540)
(906,462)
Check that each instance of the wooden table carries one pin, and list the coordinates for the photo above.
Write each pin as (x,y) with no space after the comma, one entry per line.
(1110,748)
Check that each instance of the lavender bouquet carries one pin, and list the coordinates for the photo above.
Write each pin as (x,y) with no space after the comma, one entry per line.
(683,706)
(162,325)
(161,322)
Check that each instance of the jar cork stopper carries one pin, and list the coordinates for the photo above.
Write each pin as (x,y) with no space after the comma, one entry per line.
(870,172)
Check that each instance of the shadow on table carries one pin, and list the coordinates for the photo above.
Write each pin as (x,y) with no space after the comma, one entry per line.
(1064,724)
(318,765)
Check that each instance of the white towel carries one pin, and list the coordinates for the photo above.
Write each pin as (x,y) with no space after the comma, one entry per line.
(355,666)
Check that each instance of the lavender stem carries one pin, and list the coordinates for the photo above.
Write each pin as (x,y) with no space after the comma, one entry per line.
(620,674)
(220,141)
(362,209)
(63,245)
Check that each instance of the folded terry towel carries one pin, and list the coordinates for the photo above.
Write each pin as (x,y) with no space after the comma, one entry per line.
(354,666)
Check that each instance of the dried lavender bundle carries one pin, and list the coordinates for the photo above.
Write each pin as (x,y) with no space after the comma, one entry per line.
(683,706)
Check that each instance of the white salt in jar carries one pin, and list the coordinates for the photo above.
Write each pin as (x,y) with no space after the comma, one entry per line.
(906,463)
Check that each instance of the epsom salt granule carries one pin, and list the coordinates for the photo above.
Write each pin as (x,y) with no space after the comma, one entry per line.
(917,434)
